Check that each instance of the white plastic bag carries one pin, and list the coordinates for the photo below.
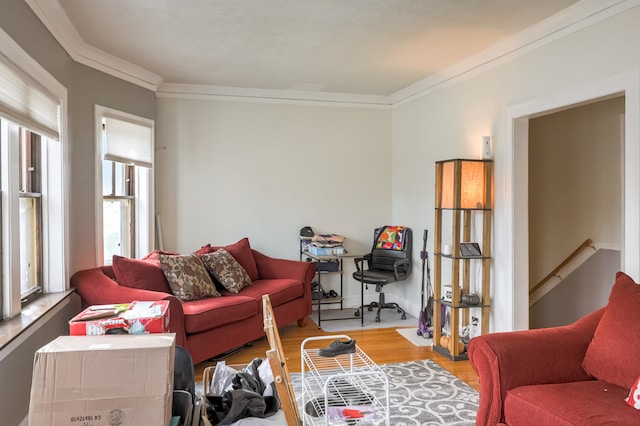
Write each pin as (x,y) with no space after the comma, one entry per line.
(221,379)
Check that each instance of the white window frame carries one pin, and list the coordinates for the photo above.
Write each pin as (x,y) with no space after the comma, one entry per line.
(144,191)
(55,220)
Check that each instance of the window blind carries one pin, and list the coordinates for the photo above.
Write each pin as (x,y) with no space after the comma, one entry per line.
(26,102)
(128,142)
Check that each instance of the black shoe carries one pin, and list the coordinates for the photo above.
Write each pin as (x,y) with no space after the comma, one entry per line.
(338,347)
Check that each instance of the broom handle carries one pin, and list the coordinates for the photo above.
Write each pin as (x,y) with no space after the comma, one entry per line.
(429,289)
(423,256)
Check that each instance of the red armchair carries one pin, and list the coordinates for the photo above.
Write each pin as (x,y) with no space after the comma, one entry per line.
(571,375)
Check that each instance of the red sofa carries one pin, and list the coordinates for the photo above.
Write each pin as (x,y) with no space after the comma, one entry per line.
(214,325)
(579,374)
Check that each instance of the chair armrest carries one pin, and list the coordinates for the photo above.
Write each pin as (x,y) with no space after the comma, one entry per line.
(504,361)
(359,261)
(398,274)
(97,288)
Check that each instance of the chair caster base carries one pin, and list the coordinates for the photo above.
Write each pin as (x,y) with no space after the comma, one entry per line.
(380,306)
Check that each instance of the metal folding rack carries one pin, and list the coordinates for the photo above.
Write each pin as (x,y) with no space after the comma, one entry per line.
(346,389)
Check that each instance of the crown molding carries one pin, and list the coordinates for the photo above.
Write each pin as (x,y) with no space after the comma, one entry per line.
(192,91)
(55,19)
(567,21)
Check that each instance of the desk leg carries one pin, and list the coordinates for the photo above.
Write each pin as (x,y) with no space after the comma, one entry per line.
(319,300)
(361,304)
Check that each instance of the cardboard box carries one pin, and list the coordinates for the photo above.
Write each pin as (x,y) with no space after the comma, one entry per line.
(108,380)
(135,318)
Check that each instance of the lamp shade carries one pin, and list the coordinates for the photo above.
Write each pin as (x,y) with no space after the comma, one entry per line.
(464,184)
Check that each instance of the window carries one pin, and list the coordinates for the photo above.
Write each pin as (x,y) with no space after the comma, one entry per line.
(32,175)
(118,208)
(125,158)
(30,214)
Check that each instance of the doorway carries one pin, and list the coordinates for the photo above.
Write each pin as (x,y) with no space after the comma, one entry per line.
(510,306)
(575,209)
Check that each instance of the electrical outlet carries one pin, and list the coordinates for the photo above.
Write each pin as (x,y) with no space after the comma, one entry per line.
(487,152)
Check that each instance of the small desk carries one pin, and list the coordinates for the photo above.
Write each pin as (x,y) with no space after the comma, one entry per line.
(331,300)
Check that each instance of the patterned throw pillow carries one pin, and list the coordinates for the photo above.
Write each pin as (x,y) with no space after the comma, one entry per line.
(187,277)
(226,269)
(391,237)
(241,251)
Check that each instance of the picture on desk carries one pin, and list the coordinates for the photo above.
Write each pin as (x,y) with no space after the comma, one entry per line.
(470,250)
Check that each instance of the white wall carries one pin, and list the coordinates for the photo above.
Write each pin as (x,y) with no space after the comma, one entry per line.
(575,184)
(449,121)
(232,169)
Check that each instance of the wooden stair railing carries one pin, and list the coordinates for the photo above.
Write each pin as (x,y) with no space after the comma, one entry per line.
(566,267)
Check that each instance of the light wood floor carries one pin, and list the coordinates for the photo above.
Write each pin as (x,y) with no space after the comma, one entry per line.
(383,345)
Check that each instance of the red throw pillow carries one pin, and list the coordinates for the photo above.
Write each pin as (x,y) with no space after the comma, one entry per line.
(142,274)
(154,255)
(241,252)
(614,351)
(206,249)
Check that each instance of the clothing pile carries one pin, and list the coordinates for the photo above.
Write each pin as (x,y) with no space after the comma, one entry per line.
(326,245)
(233,395)
(321,244)
(327,240)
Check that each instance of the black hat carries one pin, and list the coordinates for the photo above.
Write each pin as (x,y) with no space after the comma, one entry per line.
(307,232)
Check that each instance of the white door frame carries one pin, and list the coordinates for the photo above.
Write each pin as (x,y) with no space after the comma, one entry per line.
(510,306)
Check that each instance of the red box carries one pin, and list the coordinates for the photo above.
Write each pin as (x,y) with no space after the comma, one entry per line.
(135,318)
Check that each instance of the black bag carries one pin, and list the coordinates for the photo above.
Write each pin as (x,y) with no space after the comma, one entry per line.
(184,386)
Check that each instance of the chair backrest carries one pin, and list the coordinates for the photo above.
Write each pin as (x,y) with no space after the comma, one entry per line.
(184,386)
(183,371)
(390,244)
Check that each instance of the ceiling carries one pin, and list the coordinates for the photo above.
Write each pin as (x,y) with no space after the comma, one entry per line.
(364,48)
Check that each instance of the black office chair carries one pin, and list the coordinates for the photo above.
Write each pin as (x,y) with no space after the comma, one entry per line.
(388,262)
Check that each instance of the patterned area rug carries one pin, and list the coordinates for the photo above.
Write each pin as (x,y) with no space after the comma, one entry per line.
(423,393)
(420,393)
